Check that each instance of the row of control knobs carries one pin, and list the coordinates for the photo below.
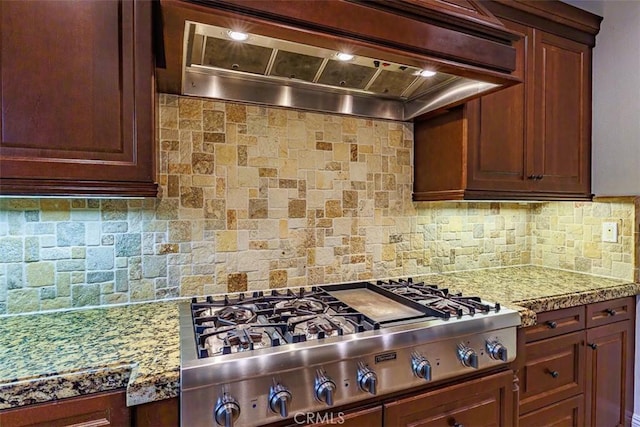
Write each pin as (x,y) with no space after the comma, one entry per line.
(227,409)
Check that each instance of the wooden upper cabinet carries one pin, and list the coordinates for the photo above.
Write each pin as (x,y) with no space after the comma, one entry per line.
(498,133)
(562,115)
(529,141)
(77,98)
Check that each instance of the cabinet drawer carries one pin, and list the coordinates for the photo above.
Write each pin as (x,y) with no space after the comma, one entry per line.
(603,313)
(557,322)
(553,370)
(569,412)
(481,402)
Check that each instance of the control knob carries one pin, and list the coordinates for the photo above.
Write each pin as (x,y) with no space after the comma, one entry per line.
(421,366)
(497,351)
(367,379)
(325,387)
(467,356)
(227,411)
(279,398)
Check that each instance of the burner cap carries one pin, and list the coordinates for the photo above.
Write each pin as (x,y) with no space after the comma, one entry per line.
(310,305)
(236,314)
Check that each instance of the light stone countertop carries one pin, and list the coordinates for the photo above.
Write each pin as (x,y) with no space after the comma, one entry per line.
(56,355)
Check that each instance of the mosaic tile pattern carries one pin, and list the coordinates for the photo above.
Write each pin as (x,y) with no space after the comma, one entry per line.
(568,236)
(251,198)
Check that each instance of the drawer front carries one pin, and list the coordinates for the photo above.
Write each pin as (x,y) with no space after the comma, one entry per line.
(557,322)
(554,370)
(603,313)
(569,413)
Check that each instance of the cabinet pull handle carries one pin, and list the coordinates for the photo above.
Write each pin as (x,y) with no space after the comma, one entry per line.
(593,345)
(610,311)
(539,177)
(531,177)
(552,325)
(554,374)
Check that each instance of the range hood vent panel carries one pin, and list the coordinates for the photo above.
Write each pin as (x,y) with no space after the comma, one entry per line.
(350,76)
(269,70)
(296,66)
(230,55)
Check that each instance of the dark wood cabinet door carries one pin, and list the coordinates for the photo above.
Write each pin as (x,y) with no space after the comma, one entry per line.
(553,370)
(103,409)
(562,114)
(486,401)
(499,134)
(567,413)
(609,390)
(76,98)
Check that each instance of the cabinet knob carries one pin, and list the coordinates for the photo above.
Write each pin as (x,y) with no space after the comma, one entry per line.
(610,311)
(531,177)
(593,345)
(552,325)
(539,177)
(554,374)
(456,424)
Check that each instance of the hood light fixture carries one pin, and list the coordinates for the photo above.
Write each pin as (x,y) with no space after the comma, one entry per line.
(344,56)
(426,73)
(237,36)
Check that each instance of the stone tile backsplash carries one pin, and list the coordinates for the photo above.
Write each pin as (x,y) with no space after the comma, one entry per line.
(258,198)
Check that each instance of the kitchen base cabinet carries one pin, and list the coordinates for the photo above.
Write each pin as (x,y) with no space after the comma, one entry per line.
(76,98)
(578,366)
(487,401)
(102,409)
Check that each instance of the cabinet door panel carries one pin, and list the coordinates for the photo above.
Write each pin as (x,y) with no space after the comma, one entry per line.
(486,401)
(498,132)
(553,370)
(609,375)
(562,114)
(76,96)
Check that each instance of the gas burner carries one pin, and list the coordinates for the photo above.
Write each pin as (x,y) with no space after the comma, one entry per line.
(236,339)
(236,315)
(444,305)
(300,306)
(306,328)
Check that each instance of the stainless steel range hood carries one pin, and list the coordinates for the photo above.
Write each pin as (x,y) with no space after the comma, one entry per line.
(360,79)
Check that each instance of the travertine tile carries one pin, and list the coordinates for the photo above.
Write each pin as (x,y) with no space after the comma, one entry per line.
(254,197)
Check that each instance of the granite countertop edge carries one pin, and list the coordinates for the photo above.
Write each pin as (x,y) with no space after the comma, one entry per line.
(145,382)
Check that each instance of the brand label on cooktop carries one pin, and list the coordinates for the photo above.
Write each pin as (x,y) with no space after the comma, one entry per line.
(385,357)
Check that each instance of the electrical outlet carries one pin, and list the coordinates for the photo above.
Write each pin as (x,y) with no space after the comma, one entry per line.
(610,232)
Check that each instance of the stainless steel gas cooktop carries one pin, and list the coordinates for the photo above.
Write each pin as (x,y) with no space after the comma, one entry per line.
(251,359)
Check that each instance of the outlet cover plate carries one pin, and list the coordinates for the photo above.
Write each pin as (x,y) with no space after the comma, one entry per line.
(610,232)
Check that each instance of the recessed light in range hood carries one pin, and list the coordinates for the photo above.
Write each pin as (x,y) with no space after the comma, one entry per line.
(271,71)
